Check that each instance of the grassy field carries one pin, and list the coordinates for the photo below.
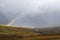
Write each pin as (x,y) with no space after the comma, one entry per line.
(18,33)
(43,37)
(10,30)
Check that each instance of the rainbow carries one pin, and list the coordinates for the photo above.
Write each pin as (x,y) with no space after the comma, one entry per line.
(13,20)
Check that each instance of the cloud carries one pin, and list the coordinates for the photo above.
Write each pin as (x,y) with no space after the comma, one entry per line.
(33,13)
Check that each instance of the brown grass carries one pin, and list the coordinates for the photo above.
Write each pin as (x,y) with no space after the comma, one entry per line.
(43,37)
(17,33)
(35,37)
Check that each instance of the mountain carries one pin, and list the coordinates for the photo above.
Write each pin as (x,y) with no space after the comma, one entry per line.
(3,19)
(19,33)
(15,31)
(48,30)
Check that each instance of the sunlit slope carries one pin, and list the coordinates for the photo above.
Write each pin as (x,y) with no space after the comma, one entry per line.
(9,30)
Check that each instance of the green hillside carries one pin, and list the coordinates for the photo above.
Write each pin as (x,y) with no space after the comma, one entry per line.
(15,31)
(18,33)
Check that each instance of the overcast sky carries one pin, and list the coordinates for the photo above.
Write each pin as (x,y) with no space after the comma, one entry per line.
(33,13)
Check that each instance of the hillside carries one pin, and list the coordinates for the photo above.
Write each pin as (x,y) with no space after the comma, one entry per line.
(18,31)
(48,30)
(43,37)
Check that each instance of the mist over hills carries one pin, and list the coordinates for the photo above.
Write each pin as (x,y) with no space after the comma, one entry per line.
(3,19)
(32,13)
(45,19)
(48,30)
(39,20)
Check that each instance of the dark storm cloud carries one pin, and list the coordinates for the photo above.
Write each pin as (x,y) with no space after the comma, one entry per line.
(33,13)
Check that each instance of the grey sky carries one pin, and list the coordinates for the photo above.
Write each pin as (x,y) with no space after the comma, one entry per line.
(33,13)
(15,6)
